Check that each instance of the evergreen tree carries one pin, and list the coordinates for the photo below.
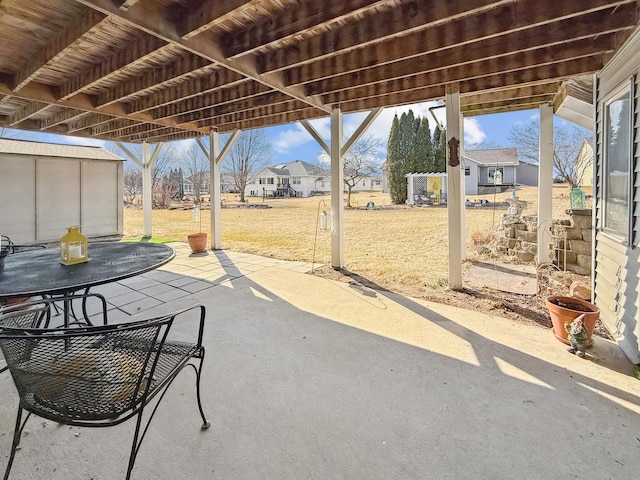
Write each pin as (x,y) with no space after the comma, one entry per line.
(410,150)
(440,146)
(393,163)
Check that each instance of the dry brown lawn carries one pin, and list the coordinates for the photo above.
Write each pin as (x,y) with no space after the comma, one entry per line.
(401,248)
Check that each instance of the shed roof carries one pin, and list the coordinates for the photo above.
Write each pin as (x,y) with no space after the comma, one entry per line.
(22,147)
(496,156)
(161,70)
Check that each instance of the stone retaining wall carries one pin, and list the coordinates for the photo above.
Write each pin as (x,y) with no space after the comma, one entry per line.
(570,244)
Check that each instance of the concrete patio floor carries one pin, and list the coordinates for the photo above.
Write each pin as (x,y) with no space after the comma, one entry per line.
(308,378)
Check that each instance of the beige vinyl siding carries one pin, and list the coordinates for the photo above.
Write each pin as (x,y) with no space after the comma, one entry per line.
(17,198)
(616,266)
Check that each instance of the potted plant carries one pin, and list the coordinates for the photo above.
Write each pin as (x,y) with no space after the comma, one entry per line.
(563,310)
(197,241)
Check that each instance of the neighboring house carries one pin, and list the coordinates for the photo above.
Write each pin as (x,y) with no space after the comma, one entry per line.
(227,185)
(616,244)
(188,187)
(584,165)
(293,179)
(47,187)
(484,169)
(527,173)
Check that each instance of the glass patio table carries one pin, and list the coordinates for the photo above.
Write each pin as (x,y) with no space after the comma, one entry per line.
(39,272)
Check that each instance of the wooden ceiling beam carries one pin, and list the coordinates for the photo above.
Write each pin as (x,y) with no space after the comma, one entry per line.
(92,121)
(242,92)
(461,27)
(163,135)
(112,65)
(127,4)
(513,104)
(56,48)
(591,62)
(206,14)
(290,117)
(266,111)
(417,92)
(27,111)
(412,47)
(309,15)
(511,93)
(45,93)
(121,128)
(211,113)
(5,121)
(478,68)
(184,66)
(156,20)
(63,116)
(214,81)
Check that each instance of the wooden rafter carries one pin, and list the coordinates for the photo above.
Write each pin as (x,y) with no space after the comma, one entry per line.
(27,111)
(207,14)
(158,22)
(460,29)
(412,48)
(56,48)
(310,14)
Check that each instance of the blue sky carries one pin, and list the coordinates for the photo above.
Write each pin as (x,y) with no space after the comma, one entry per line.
(292,142)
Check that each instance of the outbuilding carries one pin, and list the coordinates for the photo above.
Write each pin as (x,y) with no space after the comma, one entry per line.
(47,187)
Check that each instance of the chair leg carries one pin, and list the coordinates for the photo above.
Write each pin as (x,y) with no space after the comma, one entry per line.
(205,423)
(135,446)
(17,433)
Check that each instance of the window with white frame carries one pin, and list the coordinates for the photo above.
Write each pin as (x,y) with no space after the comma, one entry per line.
(296,181)
(617,173)
(467,171)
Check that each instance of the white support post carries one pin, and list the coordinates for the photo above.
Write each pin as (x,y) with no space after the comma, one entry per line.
(214,185)
(337,191)
(463,208)
(147,187)
(545,182)
(454,186)
(216,155)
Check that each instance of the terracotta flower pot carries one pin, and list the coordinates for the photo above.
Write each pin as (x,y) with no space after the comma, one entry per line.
(197,242)
(564,310)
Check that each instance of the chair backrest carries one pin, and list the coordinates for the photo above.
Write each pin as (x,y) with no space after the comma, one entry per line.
(87,373)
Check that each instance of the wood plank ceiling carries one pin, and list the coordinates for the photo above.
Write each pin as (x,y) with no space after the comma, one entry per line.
(165,70)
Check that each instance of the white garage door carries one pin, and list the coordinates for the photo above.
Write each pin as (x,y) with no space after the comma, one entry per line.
(58,197)
(99,198)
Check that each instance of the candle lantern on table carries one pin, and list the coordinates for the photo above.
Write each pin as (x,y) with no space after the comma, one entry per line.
(73,247)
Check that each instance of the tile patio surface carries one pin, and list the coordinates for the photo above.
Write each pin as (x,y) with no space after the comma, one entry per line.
(307,378)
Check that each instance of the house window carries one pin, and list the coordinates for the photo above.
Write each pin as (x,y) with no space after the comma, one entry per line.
(296,181)
(616,164)
(467,171)
(492,175)
(270,181)
(265,181)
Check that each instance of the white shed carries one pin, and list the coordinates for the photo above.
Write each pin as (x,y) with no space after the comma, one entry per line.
(46,187)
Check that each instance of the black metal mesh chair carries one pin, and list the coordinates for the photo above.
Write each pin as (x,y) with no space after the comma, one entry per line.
(94,376)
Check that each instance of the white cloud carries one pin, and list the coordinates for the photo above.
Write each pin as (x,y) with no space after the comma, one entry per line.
(288,139)
(472,131)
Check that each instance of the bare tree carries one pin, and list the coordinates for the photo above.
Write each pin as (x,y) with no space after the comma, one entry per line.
(249,153)
(132,178)
(195,167)
(159,172)
(567,141)
(360,162)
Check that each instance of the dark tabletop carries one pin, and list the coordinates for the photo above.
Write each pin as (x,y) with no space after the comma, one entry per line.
(37,272)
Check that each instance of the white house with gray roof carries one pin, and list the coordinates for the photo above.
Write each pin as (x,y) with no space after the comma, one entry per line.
(301,179)
(484,169)
(293,179)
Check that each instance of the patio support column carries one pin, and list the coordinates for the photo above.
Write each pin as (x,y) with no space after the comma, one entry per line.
(216,156)
(455,188)
(147,187)
(146,166)
(337,191)
(337,151)
(463,208)
(545,181)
